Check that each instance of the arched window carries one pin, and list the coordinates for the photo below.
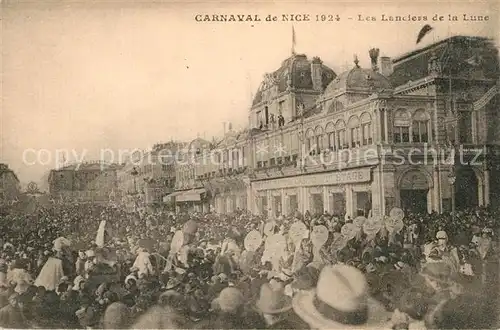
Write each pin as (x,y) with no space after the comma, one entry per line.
(401,126)
(420,126)
(319,139)
(354,131)
(341,138)
(310,140)
(366,128)
(330,134)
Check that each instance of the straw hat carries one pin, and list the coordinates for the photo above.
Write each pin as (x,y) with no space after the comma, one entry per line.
(230,299)
(441,235)
(340,301)
(272,300)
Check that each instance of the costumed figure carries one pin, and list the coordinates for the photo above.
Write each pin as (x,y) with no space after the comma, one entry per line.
(230,250)
(57,266)
(442,251)
(143,263)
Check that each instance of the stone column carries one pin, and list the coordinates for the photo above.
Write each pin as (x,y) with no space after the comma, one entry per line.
(326,200)
(436,200)
(386,134)
(303,200)
(349,201)
(486,187)
(284,209)
(270,206)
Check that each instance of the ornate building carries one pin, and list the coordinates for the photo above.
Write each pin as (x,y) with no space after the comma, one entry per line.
(411,133)
(417,132)
(86,182)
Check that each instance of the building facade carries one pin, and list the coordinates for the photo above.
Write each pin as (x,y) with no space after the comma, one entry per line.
(148,176)
(415,132)
(9,185)
(92,182)
(410,132)
(189,194)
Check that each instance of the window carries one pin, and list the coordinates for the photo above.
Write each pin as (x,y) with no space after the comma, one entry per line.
(366,128)
(419,132)
(401,134)
(420,129)
(355,137)
(367,133)
(341,134)
(280,107)
(354,134)
(330,136)
(465,127)
(264,163)
(272,162)
(319,143)
(310,141)
(342,143)
(331,141)
(319,139)
(401,126)
(279,160)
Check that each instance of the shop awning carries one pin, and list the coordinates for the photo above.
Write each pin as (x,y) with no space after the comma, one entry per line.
(169,197)
(190,196)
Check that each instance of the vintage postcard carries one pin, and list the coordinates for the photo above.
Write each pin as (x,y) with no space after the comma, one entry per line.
(250,165)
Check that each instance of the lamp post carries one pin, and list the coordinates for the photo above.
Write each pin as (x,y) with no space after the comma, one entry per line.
(134,173)
(452,177)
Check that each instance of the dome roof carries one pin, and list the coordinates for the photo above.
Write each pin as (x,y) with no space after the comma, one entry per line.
(298,69)
(359,79)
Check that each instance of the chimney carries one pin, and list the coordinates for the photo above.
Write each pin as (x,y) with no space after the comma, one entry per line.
(374,52)
(316,74)
(385,66)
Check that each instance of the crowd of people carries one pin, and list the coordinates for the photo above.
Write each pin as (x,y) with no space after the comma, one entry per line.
(87,266)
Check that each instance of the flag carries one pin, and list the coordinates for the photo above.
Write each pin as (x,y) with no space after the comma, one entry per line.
(426,29)
(293,40)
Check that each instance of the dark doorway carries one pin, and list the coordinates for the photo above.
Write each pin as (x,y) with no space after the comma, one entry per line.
(414,200)
(466,191)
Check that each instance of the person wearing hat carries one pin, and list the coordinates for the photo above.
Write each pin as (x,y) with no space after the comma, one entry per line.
(276,308)
(445,252)
(340,301)
(90,261)
(230,301)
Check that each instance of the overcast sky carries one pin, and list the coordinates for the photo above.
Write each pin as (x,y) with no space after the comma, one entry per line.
(97,76)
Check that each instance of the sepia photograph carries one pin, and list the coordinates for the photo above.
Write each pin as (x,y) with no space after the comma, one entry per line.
(249,165)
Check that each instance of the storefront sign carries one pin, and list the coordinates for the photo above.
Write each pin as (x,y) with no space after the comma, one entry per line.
(323,179)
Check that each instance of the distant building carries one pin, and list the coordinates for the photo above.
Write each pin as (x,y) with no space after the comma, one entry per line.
(9,184)
(149,176)
(190,194)
(92,182)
